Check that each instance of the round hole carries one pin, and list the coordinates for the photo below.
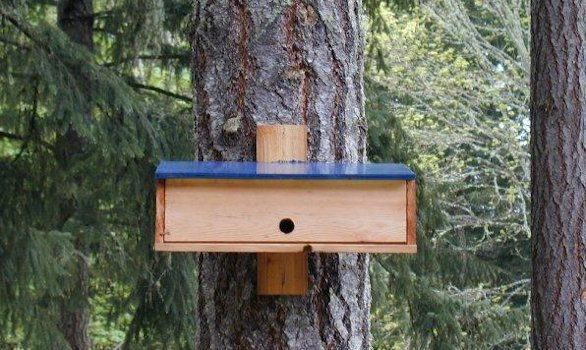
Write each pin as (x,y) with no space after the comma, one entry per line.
(286,226)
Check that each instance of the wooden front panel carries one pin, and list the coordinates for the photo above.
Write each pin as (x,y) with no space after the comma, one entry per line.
(251,211)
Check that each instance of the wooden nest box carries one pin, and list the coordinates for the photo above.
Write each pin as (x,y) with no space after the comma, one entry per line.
(284,208)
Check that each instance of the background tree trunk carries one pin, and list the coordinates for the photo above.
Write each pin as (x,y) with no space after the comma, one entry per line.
(558,189)
(287,62)
(75,18)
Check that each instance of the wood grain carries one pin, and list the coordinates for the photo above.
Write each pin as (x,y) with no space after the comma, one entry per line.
(282,273)
(411,212)
(286,247)
(200,210)
(281,143)
(160,211)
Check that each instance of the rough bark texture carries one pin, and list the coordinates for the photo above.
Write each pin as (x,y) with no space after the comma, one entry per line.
(558,189)
(75,18)
(281,62)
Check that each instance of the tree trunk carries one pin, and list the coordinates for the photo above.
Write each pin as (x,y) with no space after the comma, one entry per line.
(288,62)
(558,189)
(75,18)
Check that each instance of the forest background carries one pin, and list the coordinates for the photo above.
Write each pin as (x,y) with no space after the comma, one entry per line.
(446,92)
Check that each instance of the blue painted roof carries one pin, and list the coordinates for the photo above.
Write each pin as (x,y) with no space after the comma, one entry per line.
(282,171)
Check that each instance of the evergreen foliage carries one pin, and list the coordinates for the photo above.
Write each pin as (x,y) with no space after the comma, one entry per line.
(446,88)
(459,119)
(104,195)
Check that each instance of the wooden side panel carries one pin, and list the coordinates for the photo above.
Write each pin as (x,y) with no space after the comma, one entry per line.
(411,212)
(252,210)
(160,211)
(286,247)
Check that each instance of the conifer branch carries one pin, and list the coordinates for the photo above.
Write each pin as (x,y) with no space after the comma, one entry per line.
(14,43)
(33,135)
(20,27)
(147,57)
(104,14)
(161,91)
(10,136)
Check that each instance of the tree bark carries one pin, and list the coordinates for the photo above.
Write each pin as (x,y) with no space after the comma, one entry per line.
(558,189)
(75,18)
(280,62)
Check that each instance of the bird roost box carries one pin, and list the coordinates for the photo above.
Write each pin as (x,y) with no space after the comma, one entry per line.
(284,207)
(288,207)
